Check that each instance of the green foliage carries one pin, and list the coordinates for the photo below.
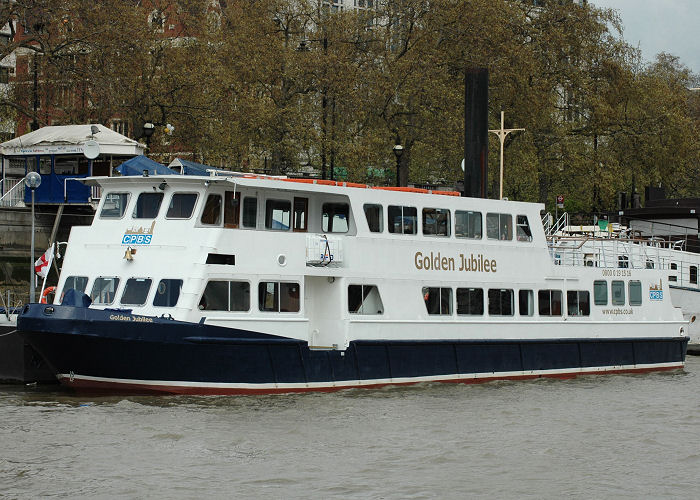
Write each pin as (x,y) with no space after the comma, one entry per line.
(288,86)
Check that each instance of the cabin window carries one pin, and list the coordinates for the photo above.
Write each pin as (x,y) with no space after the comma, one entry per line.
(500,302)
(617,289)
(103,290)
(468,225)
(526,302)
(470,301)
(301,214)
(45,165)
(250,211)
(674,266)
(232,209)
(549,302)
(136,291)
(402,220)
(211,214)
(278,214)
(373,214)
(335,217)
(167,293)
(436,221)
(74,282)
(181,206)
(693,275)
(578,303)
(635,293)
(600,293)
(147,205)
(499,226)
(438,300)
(522,228)
(69,165)
(364,299)
(649,264)
(623,261)
(226,296)
(275,296)
(114,205)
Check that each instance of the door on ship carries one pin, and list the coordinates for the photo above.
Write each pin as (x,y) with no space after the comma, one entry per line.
(323,300)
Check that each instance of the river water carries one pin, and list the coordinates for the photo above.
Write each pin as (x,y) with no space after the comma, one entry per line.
(616,436)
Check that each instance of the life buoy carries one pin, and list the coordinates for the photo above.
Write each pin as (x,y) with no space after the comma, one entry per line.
(45,293)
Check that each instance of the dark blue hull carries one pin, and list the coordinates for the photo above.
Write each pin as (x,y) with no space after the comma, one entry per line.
(115,350)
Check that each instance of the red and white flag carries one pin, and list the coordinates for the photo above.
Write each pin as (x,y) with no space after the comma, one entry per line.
(43,263)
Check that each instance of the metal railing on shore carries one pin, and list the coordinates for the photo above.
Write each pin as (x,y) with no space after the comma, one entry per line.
(14,195)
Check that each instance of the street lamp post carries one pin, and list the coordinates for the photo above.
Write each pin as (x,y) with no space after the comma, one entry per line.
(502,133)
(398,151)
(32,181)
(148,129)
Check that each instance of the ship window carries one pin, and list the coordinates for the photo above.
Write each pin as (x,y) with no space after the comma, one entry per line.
(74,282)
(674,266)
(250,211)
(167,293)
(649,264)
(114,205)
(277,214)
(578,303)
(373,213)
(438,300)
(335,217)
(693,275)
(135,291)
(526,302)
(402,220)
(468,224)
(470,301)
(500,302)
(623,261)
(147,205)
(364,299)
(499,226)
(232,209)
(211,214)
(600,293)
(103,290)
(301,214)
(635,293)
(226,296)
(522,228)
(181,206)
(617,289)
(436,221)
(278,297)
(549,302)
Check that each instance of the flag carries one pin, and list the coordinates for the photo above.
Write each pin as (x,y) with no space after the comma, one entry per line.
(43,263)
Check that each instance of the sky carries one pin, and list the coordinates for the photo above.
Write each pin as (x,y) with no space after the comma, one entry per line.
(655,26)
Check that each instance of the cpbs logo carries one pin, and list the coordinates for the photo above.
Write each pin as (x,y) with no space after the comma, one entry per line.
(138,235)
(137,239)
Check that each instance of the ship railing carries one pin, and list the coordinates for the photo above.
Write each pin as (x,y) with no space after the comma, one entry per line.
(14,196)
(9,306)
(552,227)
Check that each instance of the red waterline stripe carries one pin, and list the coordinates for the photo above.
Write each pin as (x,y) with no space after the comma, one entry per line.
(136,388)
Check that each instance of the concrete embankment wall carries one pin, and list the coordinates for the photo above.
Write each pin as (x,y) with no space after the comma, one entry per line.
(15,242)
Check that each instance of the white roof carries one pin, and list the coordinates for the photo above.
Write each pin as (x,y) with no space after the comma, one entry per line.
(70,139)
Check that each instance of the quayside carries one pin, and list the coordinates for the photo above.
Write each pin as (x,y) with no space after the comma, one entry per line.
(235,284)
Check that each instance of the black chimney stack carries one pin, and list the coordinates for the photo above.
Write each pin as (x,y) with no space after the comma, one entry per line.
(476,131)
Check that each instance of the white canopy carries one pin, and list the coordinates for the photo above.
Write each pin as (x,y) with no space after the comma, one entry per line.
(70,139)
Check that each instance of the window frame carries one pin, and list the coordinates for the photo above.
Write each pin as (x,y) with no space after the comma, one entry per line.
(124,210)
(508,226)
(444,295)
(160,195)
(620,285)
(471,302)
(126,288)
(508,292)
(436,213)
(194,205)
(272,204)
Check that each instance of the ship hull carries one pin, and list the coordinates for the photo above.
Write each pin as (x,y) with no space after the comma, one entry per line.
(91,350)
